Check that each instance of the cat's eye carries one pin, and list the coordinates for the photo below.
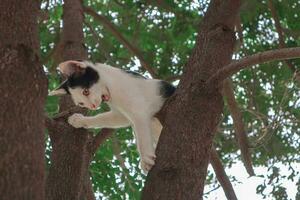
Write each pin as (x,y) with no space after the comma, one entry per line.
(86,92)
(80,104)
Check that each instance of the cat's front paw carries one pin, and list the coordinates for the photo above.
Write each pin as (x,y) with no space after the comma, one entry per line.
(147,162)
(77,120)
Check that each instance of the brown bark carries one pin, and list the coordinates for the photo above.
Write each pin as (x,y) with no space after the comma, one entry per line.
(221,175)
(69,158)
(23,92)
(192,114)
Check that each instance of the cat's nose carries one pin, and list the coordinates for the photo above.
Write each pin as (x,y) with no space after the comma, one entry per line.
(93,106)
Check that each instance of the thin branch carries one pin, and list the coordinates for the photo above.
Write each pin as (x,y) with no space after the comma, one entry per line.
(221,175)
(68,112)
(238,123)
(214,189)
(98,38)
(262,57)
(99,139)
(280,32)
(113,29)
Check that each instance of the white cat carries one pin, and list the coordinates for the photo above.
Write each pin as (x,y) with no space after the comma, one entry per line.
(133,100)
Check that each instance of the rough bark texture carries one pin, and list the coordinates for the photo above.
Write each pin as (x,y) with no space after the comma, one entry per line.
(23,92)
(69,159)
(193,113)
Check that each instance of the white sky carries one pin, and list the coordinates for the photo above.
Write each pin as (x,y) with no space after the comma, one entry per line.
(247,189)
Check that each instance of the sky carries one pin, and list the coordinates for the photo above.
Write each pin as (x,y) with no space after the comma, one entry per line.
(247,188)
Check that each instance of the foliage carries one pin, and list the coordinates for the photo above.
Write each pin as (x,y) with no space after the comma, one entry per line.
(164,33)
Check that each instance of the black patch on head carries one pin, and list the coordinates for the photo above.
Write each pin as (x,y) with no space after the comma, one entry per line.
(135,74)
(84,79)
(166,89)
(64,85)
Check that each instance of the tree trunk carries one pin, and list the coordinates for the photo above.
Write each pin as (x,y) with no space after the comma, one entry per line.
(69,158)
(194,111)
(23,91)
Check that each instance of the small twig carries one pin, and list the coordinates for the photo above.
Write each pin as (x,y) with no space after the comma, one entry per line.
(269,129)
(214,189)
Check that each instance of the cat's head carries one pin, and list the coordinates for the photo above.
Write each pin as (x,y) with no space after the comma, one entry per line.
(82,83)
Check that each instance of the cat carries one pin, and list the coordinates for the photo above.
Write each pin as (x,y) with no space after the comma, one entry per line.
(133,101)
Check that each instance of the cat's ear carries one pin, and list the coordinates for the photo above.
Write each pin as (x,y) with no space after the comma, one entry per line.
(70,67)
(58,92)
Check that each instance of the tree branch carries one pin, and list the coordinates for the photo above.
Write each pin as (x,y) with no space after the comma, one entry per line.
(239,128)
(73,109)
(221,175)
(113,29)
(267,56)
(99,139)
(280,32)
(99,40)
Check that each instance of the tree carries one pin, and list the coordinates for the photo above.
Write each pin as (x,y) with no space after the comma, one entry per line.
(194,111)
(69,156)
(23,94)
(261,102)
